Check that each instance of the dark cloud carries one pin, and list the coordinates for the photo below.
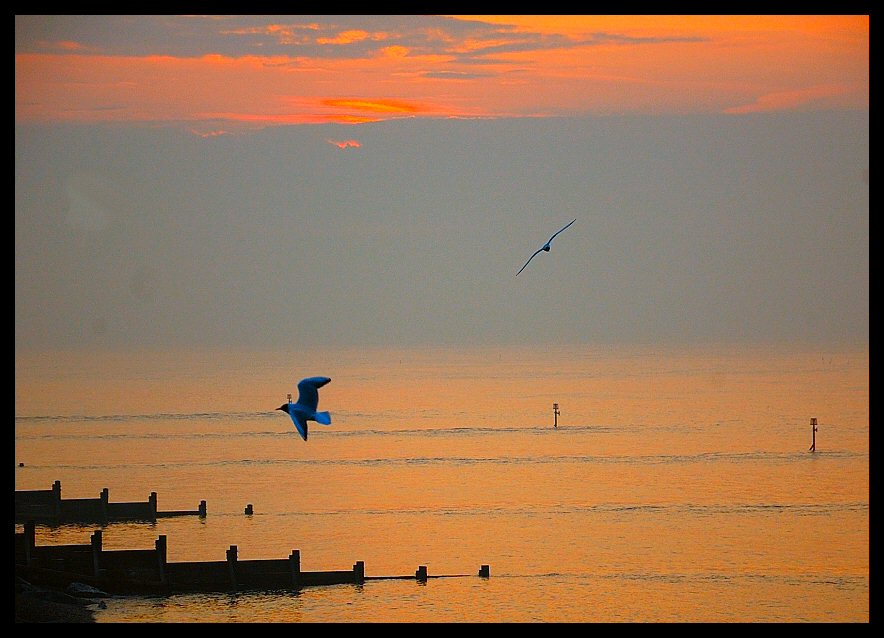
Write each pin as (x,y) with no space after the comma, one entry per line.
(294,36)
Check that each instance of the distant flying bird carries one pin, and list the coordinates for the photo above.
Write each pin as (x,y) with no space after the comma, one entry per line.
(305,409)
(545,247)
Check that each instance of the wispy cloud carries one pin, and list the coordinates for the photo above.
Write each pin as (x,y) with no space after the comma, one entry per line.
(97,107)
(374,106)
(624,39)
(349,36)
(284,34)
(259,120)
(453,75)
(789,100)
(274,70)
(67,46)
(343,144)
(343,37)
(213,133)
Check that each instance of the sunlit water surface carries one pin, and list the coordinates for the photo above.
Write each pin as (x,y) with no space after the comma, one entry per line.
(677,487)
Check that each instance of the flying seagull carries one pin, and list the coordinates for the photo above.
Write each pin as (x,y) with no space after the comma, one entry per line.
(305,409)
(545,247)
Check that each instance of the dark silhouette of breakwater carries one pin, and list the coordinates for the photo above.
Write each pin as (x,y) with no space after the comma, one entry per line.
(149,571)
(47,506)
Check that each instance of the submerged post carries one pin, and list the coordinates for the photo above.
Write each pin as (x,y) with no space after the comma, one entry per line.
(556,415)
(421,573)
(249,511)
(202,509)
(814,428)
(485,571)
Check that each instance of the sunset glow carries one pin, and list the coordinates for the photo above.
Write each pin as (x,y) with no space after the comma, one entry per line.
(375,106)
(358,69)
(660,417)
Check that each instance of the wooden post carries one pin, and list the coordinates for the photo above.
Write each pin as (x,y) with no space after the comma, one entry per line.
(249,511)
(813,426)
(161,557)
(105,498)
(484,571)
(152,505)
(56,490)
(231,565)
(30,541)
(202,509)
(295,567)
(359,571)
(95,540)
(556,415)
(421,573)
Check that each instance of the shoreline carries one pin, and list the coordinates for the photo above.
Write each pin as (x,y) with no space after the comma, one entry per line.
(46,605)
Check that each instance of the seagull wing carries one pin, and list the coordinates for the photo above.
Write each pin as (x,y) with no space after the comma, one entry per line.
(301,424)
(308,393)
(560,230)
(529,260)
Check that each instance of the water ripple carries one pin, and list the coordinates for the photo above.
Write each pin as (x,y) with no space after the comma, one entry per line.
(392,462)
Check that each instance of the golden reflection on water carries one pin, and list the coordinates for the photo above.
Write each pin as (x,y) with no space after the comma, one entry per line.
(678,485)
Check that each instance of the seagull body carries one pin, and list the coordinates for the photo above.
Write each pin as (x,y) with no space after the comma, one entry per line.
(305,409)
(546,246)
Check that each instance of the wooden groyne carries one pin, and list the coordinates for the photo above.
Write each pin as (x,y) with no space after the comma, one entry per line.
(149,571)
(49,506)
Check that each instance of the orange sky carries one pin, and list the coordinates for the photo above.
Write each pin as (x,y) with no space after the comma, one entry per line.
(532,66)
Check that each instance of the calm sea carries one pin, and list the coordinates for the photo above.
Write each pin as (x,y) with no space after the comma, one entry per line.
(677,487)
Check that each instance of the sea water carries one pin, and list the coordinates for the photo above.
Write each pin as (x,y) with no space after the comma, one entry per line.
(676,483)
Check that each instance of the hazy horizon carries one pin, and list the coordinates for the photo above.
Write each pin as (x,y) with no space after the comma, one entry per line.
(688,228)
